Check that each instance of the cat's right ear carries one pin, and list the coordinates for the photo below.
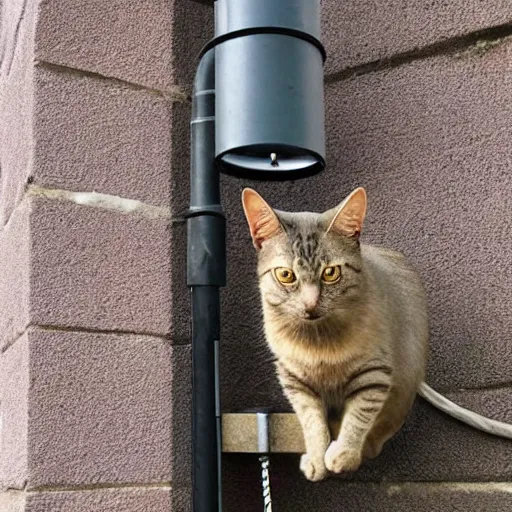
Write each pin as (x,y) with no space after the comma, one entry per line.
(263,222)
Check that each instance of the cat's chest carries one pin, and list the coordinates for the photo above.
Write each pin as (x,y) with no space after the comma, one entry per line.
(324,378)
(328,376)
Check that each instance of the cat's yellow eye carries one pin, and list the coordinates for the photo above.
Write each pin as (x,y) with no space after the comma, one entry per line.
(285,275)
(331,275)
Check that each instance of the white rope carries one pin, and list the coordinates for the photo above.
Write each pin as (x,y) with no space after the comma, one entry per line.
(494,427)
(265,482)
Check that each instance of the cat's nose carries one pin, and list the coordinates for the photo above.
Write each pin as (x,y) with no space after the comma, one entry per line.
(310,307)
(310,295)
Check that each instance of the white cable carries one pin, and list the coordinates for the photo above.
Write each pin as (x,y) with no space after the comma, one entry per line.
(494,427)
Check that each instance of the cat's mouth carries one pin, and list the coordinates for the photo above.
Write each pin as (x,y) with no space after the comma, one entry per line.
(310,317)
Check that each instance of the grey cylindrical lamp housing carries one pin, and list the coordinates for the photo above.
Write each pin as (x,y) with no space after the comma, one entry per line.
(269,89)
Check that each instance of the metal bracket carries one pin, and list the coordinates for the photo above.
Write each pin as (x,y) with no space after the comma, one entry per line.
(263,432)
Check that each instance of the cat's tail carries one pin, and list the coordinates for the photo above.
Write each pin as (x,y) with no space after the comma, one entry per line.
(471,418)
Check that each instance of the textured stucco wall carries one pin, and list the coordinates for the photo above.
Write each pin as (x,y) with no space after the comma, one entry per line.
(94,329)
(95,362)
(427,131)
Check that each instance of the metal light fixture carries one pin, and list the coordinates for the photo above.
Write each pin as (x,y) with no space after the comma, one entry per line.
(258,113)
(269,88)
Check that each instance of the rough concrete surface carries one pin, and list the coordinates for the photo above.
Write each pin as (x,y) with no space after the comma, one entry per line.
(14,276)
(102,410)
(12,501)
(110,500)
(360,31)
(17,19)
(98,269)
(14,386)
(154,44)
(98,135)
(297,495)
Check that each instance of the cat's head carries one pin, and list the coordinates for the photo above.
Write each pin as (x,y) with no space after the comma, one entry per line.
(309,264)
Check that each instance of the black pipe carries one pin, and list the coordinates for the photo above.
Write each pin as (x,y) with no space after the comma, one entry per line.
(206,273)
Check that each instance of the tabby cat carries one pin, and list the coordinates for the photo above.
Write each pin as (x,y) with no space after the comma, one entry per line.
(348,325)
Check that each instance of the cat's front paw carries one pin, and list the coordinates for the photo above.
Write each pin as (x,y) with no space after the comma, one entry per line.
(339,458)
(313,468)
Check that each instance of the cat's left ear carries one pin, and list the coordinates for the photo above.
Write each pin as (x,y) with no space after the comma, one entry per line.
(349,215)
(263,222)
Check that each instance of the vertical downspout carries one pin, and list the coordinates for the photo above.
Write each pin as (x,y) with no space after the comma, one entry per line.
(206,273)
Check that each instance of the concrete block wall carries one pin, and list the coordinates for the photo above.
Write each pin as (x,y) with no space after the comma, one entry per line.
(95,362)
(94,327)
